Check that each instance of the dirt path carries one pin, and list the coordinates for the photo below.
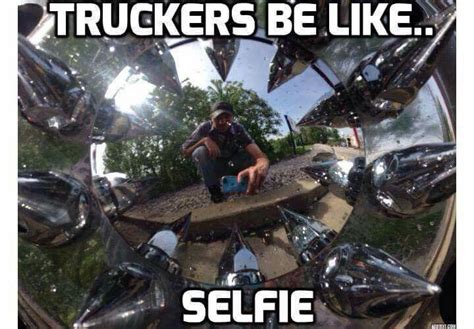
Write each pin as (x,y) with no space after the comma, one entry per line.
(280,174)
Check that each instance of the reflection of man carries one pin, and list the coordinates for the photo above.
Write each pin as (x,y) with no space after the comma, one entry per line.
(222,147)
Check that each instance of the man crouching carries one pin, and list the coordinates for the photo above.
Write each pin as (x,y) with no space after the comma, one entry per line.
(221,147)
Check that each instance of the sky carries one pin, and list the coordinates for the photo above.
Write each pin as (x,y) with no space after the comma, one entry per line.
(251,68)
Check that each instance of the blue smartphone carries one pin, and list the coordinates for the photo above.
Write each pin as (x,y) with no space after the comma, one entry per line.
(229,184)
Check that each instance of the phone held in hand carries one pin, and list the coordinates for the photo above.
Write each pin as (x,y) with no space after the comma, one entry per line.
(229,184)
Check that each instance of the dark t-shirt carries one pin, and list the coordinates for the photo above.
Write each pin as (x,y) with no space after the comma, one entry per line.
(232,141)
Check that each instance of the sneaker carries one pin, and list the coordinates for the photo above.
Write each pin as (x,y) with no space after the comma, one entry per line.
(216,194)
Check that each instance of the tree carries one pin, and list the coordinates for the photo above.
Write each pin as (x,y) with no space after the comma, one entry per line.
(173,119)
(312,135)
(334,134)
(38,150)
(251,111)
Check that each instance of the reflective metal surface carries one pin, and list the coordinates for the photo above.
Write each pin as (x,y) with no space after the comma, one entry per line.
(289,61)
(360,281)
(98,280)
(222,53)
(406,182)
(385,82)
(150,57)
(53,208)
(399,184)
(29,15)
(308,236)
(162,246)
(333,174)
(51,97)
(238,265)
(129,296)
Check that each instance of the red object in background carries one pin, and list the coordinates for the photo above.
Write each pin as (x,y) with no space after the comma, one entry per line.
(356,137)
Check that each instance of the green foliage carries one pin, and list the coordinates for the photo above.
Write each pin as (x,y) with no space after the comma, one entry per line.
(312,135)
(41,151)
(174,119)
(251,111)
(60,278)
(282,149)
(89,57)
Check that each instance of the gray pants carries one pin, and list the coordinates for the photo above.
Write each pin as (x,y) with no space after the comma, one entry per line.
(213,169)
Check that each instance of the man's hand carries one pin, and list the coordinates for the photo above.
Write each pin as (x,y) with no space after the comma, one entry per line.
(212,147)
(256,175)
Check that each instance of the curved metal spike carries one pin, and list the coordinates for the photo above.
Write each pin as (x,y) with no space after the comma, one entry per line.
(418,68)
(162,245)
(112,125)
(117,193)
(181,227)
(160,250)
(51,97)
(405,182)
(360,281)
(29,16)
(238,265)
(355,177)
(332,174)
(128,296)
(390,79)
(386,81)
(53,208)
(221,52)
(308,236)
(107,198)
(153,58)
(336,111)
(289,61)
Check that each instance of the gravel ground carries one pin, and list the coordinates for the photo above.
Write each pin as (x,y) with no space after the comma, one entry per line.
(282,173)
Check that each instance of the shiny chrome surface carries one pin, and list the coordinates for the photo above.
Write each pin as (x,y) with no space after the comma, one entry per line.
(112,125)
(29,15)
(53,208)
(68,282)
(238,265)
(400,184)
(151,57)
(289,61)
(222,53)
(386,81)
(51,97)
(119,196)
(333,174)
(129,296)
(162,245)
(307,235)
(406,182)
(360,281)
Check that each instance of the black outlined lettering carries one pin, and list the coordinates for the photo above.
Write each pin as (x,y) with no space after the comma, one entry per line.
(138,9)
(192,19)
(218,310)
(217,15)
(60,11)
(221,19)
(194,310)
(164,19)
(224,306)
(380,19)
(237,308)
(111,11)
(305,19)
(243,14)
(279,16)
(148,19)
